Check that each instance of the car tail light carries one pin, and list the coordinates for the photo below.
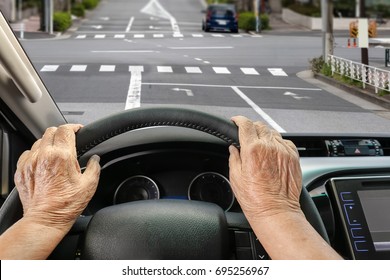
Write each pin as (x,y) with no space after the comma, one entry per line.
(208,16)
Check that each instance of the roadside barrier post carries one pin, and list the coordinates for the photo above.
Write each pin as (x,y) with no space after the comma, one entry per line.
(387,57)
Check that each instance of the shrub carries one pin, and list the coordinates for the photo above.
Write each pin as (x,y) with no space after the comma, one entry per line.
(78,10)
(90,4)
(247,21)
(264,21)
(61,21)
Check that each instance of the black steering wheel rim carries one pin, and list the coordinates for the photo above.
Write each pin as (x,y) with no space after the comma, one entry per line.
(97,132)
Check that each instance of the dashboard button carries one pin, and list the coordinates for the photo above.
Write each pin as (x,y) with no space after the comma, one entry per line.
(346,196)
(244,254)
(357,233)
(361,246)
(242,239)
(350,212)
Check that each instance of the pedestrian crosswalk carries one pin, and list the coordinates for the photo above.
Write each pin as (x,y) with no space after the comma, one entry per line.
(165,69)
(80,36)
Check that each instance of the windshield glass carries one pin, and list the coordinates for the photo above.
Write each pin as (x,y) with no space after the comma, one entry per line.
(115,55)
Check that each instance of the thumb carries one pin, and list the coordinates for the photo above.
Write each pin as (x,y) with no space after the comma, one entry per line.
(91,173)
(234,160)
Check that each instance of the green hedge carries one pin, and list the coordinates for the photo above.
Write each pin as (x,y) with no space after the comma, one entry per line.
(90,4)
(61,21)
(78,10)
(247,21)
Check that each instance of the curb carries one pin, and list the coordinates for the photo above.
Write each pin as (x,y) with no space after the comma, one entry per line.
(362,93)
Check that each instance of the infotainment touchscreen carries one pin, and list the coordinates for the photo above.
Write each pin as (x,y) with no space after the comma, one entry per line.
(363,206)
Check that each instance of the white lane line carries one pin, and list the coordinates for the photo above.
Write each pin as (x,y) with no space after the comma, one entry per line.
(236,35)
(100,36)
(81,36)
(78,68)
(164,69)
(229,86)
(49,68)
(128,27)
(133,99)
(277,72)
(158,35)
(107,68)
(125,51)
(197,35)
(201,48)
(119,36)
(193,70)
(217,35)
(258,110)
(249,71)
(139,36)
(221,70)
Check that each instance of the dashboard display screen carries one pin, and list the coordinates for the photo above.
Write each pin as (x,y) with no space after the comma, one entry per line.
(363,209)
(376,208)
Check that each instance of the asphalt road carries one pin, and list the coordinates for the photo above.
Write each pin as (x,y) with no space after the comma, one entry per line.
(128,54)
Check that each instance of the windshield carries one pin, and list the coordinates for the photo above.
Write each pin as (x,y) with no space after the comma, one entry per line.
(122,55)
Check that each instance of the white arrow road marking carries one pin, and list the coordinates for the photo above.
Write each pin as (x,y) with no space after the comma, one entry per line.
(133,99)
(154,8)
(187,91)
(97,26)
(295,96)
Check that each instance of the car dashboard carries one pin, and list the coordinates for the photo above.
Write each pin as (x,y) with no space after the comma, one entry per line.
(183,164)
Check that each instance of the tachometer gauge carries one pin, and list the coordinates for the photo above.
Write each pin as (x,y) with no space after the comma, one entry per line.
(212,187)
(136,188)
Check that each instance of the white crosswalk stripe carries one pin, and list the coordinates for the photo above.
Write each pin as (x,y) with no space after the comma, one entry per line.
(277,72)
(169,35)
(164,69)
(193,70)
(78,68)
(107,68)
(49,68)
(221,70)
(248,71)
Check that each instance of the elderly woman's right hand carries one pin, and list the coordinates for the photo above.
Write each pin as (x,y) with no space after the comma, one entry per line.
(265,174)
(51,187)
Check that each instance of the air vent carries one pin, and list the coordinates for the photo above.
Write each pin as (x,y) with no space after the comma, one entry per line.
(310,147)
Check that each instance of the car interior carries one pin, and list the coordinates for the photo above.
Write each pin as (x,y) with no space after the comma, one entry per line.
(164,191)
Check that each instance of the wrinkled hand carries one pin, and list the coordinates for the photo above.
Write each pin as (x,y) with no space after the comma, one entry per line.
(265,174)
(51,187)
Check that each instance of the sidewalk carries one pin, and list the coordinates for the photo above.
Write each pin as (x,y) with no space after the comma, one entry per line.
(29,29)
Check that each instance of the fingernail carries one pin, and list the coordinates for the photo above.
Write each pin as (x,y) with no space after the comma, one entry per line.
(95,158)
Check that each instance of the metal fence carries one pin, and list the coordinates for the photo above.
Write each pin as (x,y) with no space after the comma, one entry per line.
(368,75)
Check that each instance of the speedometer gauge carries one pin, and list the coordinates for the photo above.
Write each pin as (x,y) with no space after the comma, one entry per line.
(136,188)
(212,187)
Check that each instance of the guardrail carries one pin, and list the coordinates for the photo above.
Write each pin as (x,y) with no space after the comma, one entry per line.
(376,77)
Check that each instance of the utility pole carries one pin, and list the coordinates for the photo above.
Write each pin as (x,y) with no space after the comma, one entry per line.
(364,51)
(327,28)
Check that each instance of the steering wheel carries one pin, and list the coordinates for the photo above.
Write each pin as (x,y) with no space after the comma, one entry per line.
(156,229)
